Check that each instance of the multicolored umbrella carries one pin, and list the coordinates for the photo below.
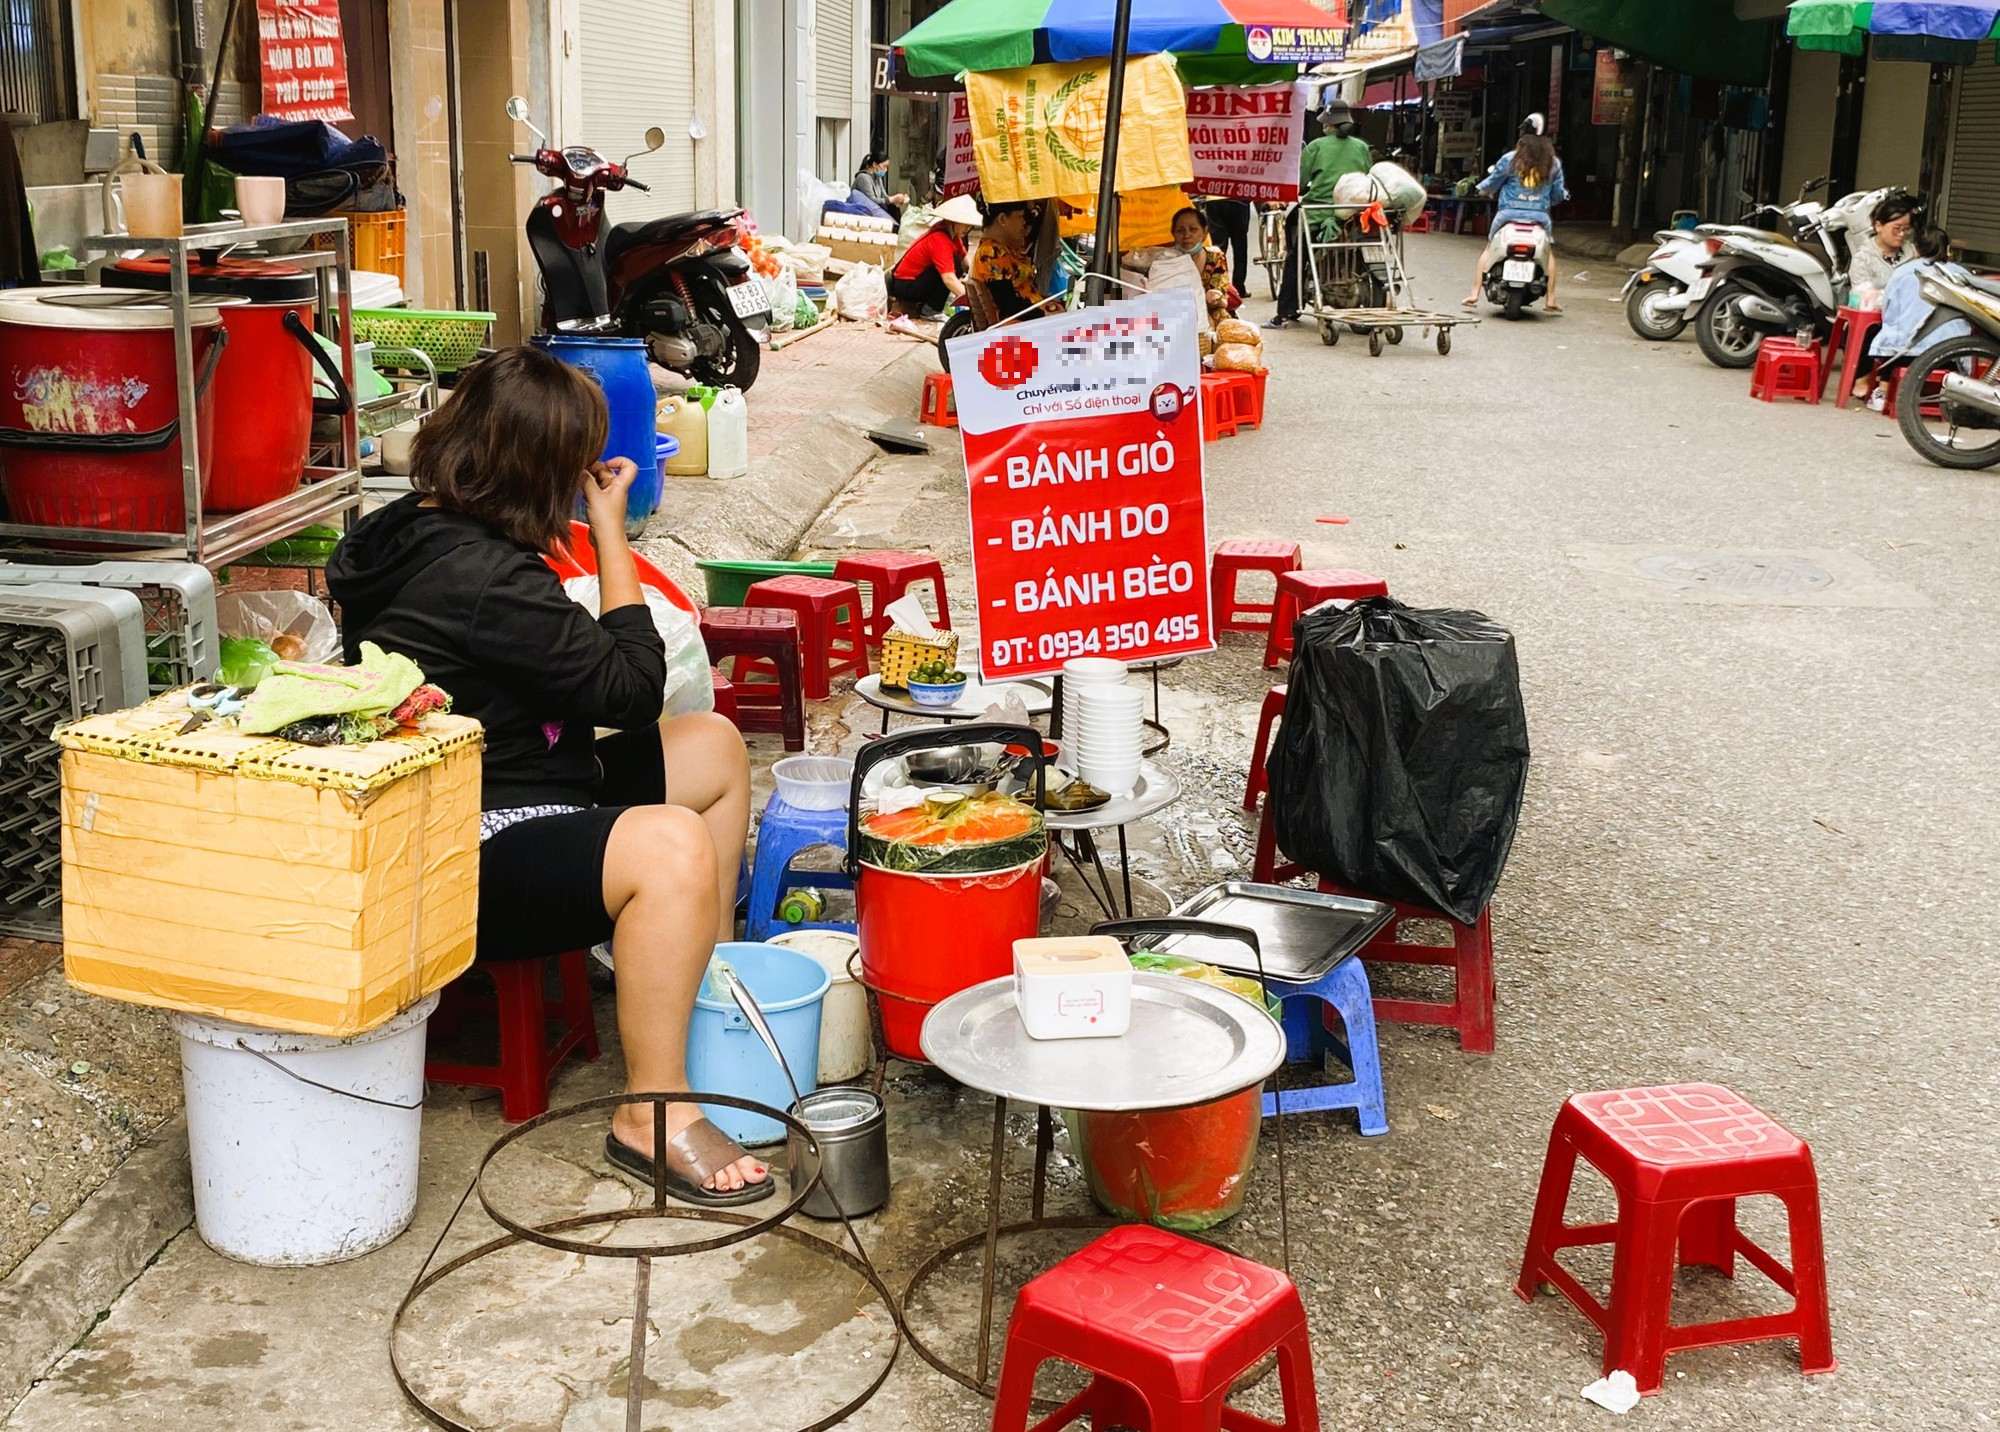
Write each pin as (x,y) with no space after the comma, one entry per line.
(1845,25)
(1007,34)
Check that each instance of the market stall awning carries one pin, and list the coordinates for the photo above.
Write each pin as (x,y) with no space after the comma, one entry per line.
(1939,30)
(1213,40)
(1702,38)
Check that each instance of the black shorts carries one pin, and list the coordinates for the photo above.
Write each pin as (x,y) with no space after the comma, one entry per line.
(541,881)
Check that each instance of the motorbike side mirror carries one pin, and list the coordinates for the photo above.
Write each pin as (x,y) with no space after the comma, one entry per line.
(517,110)
(656,138)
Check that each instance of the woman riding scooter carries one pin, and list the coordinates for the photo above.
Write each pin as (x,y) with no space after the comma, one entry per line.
(1529,181)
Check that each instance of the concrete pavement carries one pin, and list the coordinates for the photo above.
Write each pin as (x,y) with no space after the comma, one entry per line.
(1756,849)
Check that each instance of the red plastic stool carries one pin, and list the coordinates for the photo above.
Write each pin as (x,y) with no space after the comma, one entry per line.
(1267,721)
(528,1056)
(1246,556)
(1218,407)
(1166,1324)
(1679,1157)
(1247,392)
(1787,369)
(939,407)
(830,628)
(1469,956)
(1847,349)
(764,644)
(725,694)
(889,575)
(1300,592)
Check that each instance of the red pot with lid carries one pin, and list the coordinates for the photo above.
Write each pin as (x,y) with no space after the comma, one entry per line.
(90,432)
(263,388)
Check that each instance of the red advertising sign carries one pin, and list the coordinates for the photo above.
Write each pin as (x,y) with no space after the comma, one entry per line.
(1610,93)
(1245,141)
(961,173)
(303,59)
(1083,450)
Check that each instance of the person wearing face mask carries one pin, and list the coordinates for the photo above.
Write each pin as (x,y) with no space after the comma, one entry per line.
(871,181)
(1337,153)
(1887,245)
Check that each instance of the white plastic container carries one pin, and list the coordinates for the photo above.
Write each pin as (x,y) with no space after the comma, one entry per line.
(728,435)
(1073,987)
(845,1044)
(814,782)
(289,1174)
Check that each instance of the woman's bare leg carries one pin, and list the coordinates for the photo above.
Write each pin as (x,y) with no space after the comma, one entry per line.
(660,889)
(1549,297)
(708,772)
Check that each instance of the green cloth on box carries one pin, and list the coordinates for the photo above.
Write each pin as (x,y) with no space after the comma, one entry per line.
(293,691)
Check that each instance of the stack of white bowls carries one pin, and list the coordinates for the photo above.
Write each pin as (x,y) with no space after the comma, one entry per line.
(1103,729)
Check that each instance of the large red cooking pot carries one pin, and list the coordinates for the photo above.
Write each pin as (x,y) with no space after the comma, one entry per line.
(939,904)
(90,407)
(263,390)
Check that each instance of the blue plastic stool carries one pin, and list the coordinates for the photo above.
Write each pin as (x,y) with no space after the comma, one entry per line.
(781,835)
(1307,1038)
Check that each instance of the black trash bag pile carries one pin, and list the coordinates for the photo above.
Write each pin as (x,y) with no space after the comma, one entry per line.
(1404,751)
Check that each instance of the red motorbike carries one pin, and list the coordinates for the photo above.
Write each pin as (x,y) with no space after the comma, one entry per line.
(680,283)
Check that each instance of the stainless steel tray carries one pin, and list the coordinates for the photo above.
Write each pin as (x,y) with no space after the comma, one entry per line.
(1189,1043)
(1302,933)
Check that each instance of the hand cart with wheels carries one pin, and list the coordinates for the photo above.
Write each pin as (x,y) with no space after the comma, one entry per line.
(1355,279)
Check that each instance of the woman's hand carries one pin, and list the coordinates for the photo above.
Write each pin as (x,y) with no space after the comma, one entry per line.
(604,490)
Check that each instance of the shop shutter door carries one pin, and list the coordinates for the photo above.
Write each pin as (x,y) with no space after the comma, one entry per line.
(638,71)
(1972,192)
(833,59)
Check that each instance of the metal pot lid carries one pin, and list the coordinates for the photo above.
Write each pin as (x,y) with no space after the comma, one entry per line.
(242,278)
(88,306)
(837,1110)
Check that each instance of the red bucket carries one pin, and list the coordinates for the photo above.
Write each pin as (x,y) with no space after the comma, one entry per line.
(263,388)
(926,937)
(90,408)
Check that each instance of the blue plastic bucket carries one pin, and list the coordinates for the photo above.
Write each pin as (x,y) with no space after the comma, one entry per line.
(725,1056)
(619,367)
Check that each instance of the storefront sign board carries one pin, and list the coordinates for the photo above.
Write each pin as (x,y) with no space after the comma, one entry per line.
(303,59)
(1083,452)
(1610,92)
(961,172)
(1245,141)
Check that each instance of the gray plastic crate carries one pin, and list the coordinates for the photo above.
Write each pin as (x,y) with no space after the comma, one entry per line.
(66,652)
(183,643)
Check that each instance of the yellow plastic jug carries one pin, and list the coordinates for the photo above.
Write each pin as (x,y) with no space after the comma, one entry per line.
(686,421)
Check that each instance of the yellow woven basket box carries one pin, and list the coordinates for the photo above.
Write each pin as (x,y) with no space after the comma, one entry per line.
(903,652)
(319,890)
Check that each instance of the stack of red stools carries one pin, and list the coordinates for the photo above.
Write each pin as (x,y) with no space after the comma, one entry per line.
(521,1006)
(830,628)
(766,680)
(889,575)
(1679,1157)
(1167,1325)
(1218,407)
(1247,393)
(1787,368)
(1300,592)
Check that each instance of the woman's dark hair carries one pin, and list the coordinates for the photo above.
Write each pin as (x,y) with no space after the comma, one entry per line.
(1199,217)
(1027,207)
(1897,206)
(872,158)
(1933,243)
(512,446)
(1534,160)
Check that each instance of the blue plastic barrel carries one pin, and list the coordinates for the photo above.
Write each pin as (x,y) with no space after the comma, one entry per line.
(618,365)
(724,1054)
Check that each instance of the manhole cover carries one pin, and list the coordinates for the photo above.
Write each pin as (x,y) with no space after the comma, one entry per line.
(1728,572)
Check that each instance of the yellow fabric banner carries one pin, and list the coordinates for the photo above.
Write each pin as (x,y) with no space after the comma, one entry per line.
(1038,132)
(1146,218)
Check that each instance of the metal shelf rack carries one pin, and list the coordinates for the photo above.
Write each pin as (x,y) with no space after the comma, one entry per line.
(331,487)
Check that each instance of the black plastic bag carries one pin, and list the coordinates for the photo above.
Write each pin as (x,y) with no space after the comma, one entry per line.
(1404,752)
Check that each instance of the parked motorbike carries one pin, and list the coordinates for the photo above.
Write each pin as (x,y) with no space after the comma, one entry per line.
(680,283)
(1948,399)
(1756,284)
(1515,268)
(1658,298)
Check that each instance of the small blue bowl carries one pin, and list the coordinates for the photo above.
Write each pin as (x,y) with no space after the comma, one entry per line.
(926,693)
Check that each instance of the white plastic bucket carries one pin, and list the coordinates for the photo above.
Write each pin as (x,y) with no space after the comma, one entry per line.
(844,1041)
(288,1173)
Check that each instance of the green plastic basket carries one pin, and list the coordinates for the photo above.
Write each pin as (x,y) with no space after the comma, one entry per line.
(451,338)
(728,582)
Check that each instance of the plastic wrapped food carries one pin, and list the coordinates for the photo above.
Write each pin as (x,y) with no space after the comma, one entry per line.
(1184,1169)
(1242,986)
(954,835)
(245,661)
(1238,358)
(1400,189)
(1235,330)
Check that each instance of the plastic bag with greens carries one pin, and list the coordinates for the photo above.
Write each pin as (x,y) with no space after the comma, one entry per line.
(245,661)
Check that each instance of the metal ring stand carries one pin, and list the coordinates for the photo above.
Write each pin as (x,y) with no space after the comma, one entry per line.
(745,1226)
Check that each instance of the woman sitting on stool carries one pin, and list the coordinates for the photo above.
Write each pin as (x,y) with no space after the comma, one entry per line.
(637,836)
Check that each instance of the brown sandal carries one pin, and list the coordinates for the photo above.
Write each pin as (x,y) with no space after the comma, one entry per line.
(698,1152)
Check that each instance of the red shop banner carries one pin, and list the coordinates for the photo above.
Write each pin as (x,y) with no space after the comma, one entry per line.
(1083,451)
(303,59)
(1245,141)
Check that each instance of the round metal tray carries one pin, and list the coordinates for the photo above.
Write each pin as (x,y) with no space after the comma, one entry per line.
(1189,1043)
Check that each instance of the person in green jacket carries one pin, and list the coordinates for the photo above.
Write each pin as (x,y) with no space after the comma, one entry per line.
(1337,152)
